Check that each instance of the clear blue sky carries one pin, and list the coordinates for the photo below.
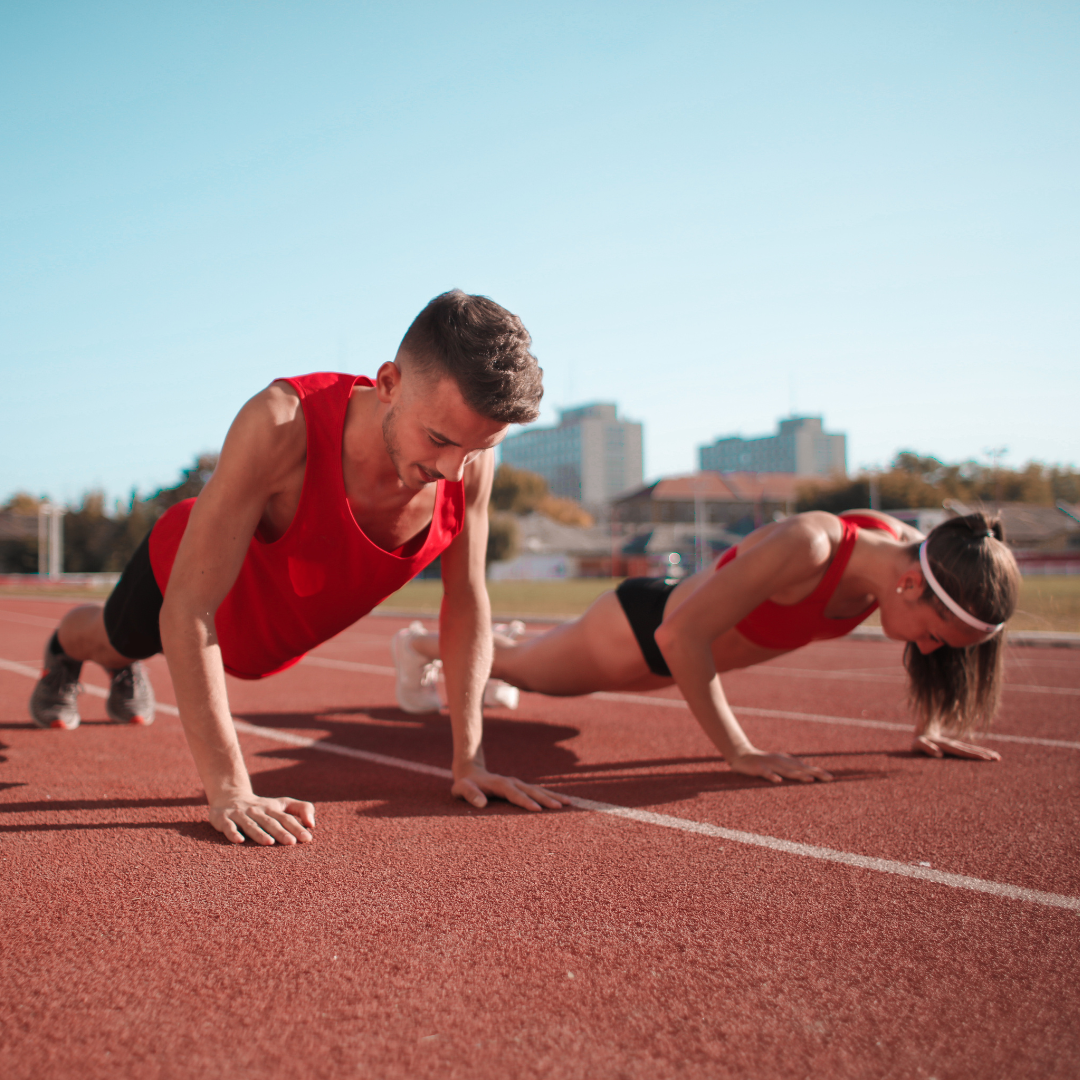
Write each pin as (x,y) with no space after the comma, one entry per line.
(711,213)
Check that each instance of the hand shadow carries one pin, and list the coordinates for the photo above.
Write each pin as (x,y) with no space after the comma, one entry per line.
(525,748)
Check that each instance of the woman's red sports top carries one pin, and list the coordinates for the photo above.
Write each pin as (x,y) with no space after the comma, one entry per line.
(323,573)
(790,626)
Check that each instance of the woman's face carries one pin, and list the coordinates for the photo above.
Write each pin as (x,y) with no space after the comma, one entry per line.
(906,616)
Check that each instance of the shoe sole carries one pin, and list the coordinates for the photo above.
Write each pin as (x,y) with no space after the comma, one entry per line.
(134,721)
(397,642)
(57,725)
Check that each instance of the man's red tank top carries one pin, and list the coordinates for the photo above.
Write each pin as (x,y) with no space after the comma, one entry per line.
(323,573)
(790,626)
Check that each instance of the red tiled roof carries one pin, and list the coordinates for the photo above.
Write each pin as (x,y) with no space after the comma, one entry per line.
(726,487)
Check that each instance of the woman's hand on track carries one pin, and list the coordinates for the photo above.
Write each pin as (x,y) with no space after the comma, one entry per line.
(472,784)
(266,821)
(941,746)
(777,767)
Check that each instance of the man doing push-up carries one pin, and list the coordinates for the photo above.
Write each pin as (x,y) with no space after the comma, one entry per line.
(331,492)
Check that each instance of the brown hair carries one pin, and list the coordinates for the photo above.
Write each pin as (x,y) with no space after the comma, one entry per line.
(956,690)
(484,348)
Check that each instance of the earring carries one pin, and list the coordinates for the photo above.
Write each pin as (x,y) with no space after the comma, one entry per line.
(899,588)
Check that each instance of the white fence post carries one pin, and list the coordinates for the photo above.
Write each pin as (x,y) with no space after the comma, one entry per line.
(50,541)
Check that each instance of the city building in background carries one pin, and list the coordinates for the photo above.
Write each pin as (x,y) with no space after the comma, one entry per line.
(592,456)
(801,446)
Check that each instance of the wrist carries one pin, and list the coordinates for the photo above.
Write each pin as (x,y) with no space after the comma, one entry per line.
(224,792)
(462,766)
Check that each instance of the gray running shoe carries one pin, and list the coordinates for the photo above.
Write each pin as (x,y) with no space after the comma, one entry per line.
(131,697)
(54,703)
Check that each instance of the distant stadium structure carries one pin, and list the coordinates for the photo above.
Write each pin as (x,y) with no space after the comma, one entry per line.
(591,457)
(801,446)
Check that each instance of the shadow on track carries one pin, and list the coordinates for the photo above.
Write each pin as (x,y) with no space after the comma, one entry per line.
(525,748)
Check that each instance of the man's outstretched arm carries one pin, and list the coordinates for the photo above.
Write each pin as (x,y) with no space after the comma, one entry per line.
(261,447)
(465,645)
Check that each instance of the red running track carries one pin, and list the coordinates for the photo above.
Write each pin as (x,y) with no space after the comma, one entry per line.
(418,937)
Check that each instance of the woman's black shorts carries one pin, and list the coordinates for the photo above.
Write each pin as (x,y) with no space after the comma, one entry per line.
(643,600)
(133,607)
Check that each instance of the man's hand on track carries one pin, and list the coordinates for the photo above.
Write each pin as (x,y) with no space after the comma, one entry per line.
(777,767)
(471,785)
(940,746)
(266,821)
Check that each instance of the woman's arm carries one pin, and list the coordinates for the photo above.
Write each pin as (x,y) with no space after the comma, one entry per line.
(796,551)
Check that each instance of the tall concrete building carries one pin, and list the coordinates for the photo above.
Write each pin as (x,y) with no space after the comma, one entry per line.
(591,457)
(801,446)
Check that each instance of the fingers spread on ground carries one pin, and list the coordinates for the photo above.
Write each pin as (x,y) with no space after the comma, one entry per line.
(520,798)
(467,790)
(253,830)
(928,747)
(295,829)
(272,823)
(304,811)
(543,796)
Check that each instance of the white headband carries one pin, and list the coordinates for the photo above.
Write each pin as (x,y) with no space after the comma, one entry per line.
(948,601)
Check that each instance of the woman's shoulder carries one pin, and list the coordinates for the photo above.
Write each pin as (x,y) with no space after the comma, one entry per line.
(901,530)
(809,538)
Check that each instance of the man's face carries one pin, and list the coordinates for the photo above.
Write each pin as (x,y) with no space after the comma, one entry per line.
(431,434)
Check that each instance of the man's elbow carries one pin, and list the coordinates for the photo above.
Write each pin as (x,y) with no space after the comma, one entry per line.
(180,615)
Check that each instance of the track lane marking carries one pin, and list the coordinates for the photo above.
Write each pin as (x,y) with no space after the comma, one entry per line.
(648,817)
(634,699)
(855,676)
(818,718)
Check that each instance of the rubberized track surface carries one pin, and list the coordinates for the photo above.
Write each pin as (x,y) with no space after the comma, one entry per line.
(649,936)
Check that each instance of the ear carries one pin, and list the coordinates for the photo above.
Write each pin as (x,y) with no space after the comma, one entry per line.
(388,382)
(911,583)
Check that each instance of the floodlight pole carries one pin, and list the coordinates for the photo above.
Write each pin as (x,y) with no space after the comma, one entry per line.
(699,526)
(50,541)
(42,540)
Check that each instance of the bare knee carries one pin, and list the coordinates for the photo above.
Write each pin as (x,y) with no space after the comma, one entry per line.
(82,636)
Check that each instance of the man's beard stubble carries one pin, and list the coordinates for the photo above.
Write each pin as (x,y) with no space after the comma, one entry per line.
(393,451)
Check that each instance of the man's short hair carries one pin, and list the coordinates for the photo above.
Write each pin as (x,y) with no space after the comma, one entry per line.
(484,348)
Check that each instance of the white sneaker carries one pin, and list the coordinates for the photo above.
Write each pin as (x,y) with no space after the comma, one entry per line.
(501,695)
(417,677)
(513,629)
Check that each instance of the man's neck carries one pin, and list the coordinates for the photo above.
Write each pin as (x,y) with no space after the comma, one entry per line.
(368,471)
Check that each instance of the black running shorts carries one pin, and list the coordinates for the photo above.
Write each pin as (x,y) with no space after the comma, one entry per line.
(643,600)
(133,607)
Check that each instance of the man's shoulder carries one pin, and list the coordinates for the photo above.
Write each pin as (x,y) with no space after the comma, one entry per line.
(315,382)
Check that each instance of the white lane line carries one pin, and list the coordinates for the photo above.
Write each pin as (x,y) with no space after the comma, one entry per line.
(630,699)
(817,718)
(812,851)
(855,676)
(647,817)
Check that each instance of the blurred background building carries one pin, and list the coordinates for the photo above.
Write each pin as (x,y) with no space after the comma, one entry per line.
(800,446)
(591,457)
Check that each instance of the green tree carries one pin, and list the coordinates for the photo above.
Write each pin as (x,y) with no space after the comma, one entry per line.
(504,538)
(517,491)
(913,480)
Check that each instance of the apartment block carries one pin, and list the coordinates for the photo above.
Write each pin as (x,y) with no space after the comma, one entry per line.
(801,446)
(591,457)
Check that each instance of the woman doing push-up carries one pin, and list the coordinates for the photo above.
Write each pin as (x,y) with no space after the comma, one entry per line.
(807,578)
